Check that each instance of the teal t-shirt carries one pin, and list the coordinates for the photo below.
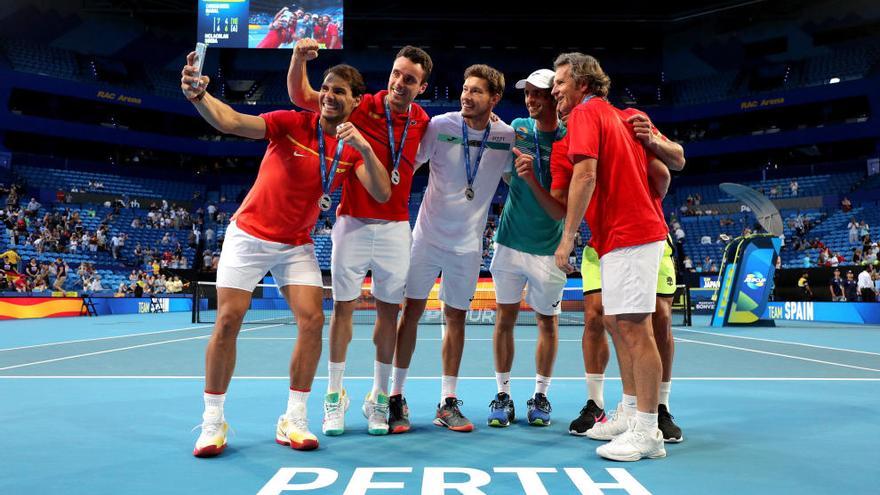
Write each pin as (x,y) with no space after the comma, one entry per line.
(524,225)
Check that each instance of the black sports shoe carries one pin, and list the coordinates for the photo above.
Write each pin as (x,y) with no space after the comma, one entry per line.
(501,410)
(398,414)
(671,431)
(590,415)
(539,410)
(450,416)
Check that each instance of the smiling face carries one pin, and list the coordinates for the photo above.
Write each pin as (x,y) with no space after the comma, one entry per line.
(567,92)
(476,99)
(335,99)
(406,82)
(539,102)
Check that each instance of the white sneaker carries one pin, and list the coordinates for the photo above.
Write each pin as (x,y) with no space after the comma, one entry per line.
(634,444)
(376,413)
(611,428)
(212,440)
(335,405)
(293,430)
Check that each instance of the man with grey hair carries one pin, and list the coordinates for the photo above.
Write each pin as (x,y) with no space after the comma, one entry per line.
(628,235)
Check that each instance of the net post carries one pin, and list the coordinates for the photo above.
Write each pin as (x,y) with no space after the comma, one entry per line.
(195,300)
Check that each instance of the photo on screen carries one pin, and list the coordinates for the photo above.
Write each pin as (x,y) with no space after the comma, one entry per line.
(279,24)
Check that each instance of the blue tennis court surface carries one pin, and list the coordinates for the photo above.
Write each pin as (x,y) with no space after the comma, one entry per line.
(105,405)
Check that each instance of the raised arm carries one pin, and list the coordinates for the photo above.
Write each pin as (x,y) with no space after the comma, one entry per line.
(220,115)
(669,152)
(298,87)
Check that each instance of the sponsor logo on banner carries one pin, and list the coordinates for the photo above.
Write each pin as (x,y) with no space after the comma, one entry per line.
(755,280)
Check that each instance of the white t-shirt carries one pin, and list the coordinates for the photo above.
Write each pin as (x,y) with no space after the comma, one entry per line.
(446,218)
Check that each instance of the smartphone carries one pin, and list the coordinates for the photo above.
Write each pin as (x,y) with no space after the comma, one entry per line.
(199,62)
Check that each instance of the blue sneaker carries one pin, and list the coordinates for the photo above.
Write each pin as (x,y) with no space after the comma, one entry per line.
(501,411)
(539,410)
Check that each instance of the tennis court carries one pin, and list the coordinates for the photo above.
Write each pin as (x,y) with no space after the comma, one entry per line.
(106,405)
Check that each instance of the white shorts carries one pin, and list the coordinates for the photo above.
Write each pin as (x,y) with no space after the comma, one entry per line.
(245,260)
(512,270)
(629,278)
(461,272)
(361,245)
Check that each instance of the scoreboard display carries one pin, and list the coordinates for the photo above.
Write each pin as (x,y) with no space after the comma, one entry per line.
(269,24)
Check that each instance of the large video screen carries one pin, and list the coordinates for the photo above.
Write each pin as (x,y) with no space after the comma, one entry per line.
(269,24)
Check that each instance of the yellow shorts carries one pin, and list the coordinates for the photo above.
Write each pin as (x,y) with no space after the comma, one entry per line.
(592,279)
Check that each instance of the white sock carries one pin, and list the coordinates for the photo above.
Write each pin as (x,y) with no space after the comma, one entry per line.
(542,383)
(381,377)
(398,380)
(595,388)
(646,421)
(664,393)
(448,387)
(629,404)
(214,405)
(336,371)
(296,398)
(503,382)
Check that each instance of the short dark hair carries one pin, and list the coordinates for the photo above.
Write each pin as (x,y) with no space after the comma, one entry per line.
(350,75)
(417,56)
(493,77)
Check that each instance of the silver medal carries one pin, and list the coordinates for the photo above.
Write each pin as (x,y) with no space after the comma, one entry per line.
(325,202)
(395,177)
(469,193)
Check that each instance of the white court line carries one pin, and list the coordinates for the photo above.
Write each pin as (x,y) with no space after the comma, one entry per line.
(778,341)
(475,378)
(118,349)
(63,342)
(678,339)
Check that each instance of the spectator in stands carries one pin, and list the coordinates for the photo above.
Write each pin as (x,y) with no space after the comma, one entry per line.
(95,285)
(836,287)
(857,256)
(774,191)
(804,287)
(707,263)
(122,290)
(705,240)
(156,267)
(853,228)
(32,270)
(805,260)
(864,230)
(33,207)
(210,238)
(206,260)
(870,256)
(688,263)
(114,246)
(60,270)
(866,284)
(41,284)
(793,186)
(215,260)
(679,235)
(845,204)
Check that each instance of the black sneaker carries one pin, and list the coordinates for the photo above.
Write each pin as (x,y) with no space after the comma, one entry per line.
(450,416)
(539,410)
(501,410)
(590,415)
(671,431)
(398,414)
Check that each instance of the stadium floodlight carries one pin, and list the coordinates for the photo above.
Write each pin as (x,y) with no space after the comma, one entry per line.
(834,80)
